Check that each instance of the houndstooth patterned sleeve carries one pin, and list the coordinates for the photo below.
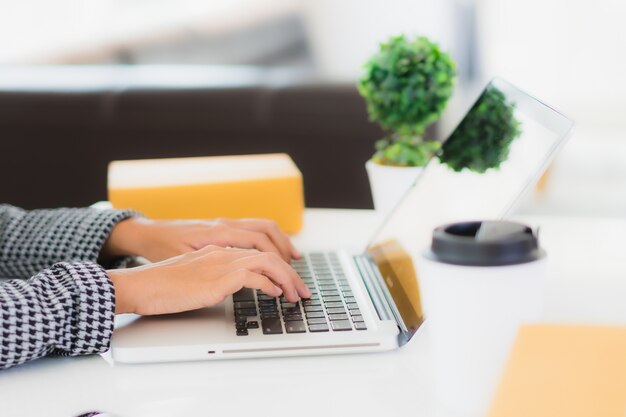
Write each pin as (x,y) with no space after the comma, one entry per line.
(34,240)
(67,309)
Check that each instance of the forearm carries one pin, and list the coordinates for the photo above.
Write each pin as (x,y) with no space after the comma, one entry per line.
(67,309)
(34,240)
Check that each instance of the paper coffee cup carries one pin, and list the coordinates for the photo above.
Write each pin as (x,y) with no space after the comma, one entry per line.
(479,281)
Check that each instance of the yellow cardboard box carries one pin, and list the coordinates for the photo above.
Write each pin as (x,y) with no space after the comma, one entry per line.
(564,371)
(264,186)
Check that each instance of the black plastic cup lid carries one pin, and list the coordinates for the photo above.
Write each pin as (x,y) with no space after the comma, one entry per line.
(484,243)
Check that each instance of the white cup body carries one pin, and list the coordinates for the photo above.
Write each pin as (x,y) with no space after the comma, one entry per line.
(473,314)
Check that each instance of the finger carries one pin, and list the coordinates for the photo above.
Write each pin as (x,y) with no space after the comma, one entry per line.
(216,256)
(223,257)
(271,229)
(217,248)
(242,238)
(295,253)
(244,278)
(278,238)
(279,271)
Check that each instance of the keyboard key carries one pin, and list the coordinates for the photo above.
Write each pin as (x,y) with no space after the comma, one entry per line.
(313,308)
(241,325)
(350,299)
(295,327)
(341,325)
(253,324)
(327,287)
(269,315)
(338,317)
(311,303)
(267,304)
(355,312)
(290,305)
(348,294)
(332,298)
(329,293)
(293,317)
(272,326)
(357,319)
(315,314)
(245,304)
(265,297)
(360,326)
(246,312)
(320,320)
(330,304)
(336,310)
(353,306)
(242,332)
(244,294)
(314,328)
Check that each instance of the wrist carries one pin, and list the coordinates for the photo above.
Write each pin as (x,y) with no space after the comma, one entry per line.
(123,291)
(125,239)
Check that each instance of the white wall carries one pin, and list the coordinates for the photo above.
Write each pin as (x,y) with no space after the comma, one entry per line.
(572,53)
(345,33)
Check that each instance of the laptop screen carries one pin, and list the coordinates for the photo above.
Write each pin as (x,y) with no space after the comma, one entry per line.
(502,145)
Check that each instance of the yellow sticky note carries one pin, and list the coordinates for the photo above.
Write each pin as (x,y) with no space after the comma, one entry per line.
(261,186)
(564,371)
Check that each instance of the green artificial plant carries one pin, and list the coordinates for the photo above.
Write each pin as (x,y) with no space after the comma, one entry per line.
(482,141)
(406,86)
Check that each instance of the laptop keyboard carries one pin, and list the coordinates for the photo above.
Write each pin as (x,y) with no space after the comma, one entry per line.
(332,306)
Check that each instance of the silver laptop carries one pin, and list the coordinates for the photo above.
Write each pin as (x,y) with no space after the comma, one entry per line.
(369,301)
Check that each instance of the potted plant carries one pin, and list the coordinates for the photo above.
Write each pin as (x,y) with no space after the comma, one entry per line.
(406,86)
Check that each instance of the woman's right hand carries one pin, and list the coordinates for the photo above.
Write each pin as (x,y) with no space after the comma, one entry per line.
(202,279)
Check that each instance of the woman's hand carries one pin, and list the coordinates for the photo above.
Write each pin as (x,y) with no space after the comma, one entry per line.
(202,279)
(158,240)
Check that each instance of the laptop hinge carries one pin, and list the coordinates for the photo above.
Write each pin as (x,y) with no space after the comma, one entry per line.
(382,300)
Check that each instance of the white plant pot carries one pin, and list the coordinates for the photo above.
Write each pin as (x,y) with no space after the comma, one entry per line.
(389,184)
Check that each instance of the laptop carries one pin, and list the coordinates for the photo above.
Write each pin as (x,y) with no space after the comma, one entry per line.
(369,301)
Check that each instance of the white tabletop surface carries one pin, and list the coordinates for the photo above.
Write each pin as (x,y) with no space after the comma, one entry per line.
(586,284)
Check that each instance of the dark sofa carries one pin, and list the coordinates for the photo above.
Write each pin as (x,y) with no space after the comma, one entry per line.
(60,126)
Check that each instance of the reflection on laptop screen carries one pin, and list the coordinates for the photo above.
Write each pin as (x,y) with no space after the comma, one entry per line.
(495,153)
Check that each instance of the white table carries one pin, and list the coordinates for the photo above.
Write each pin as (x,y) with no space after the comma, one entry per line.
(587,283)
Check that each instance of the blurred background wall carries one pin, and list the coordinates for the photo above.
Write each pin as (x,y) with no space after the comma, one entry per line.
(569,53)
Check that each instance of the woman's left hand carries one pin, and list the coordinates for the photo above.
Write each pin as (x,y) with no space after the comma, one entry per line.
(157,240)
